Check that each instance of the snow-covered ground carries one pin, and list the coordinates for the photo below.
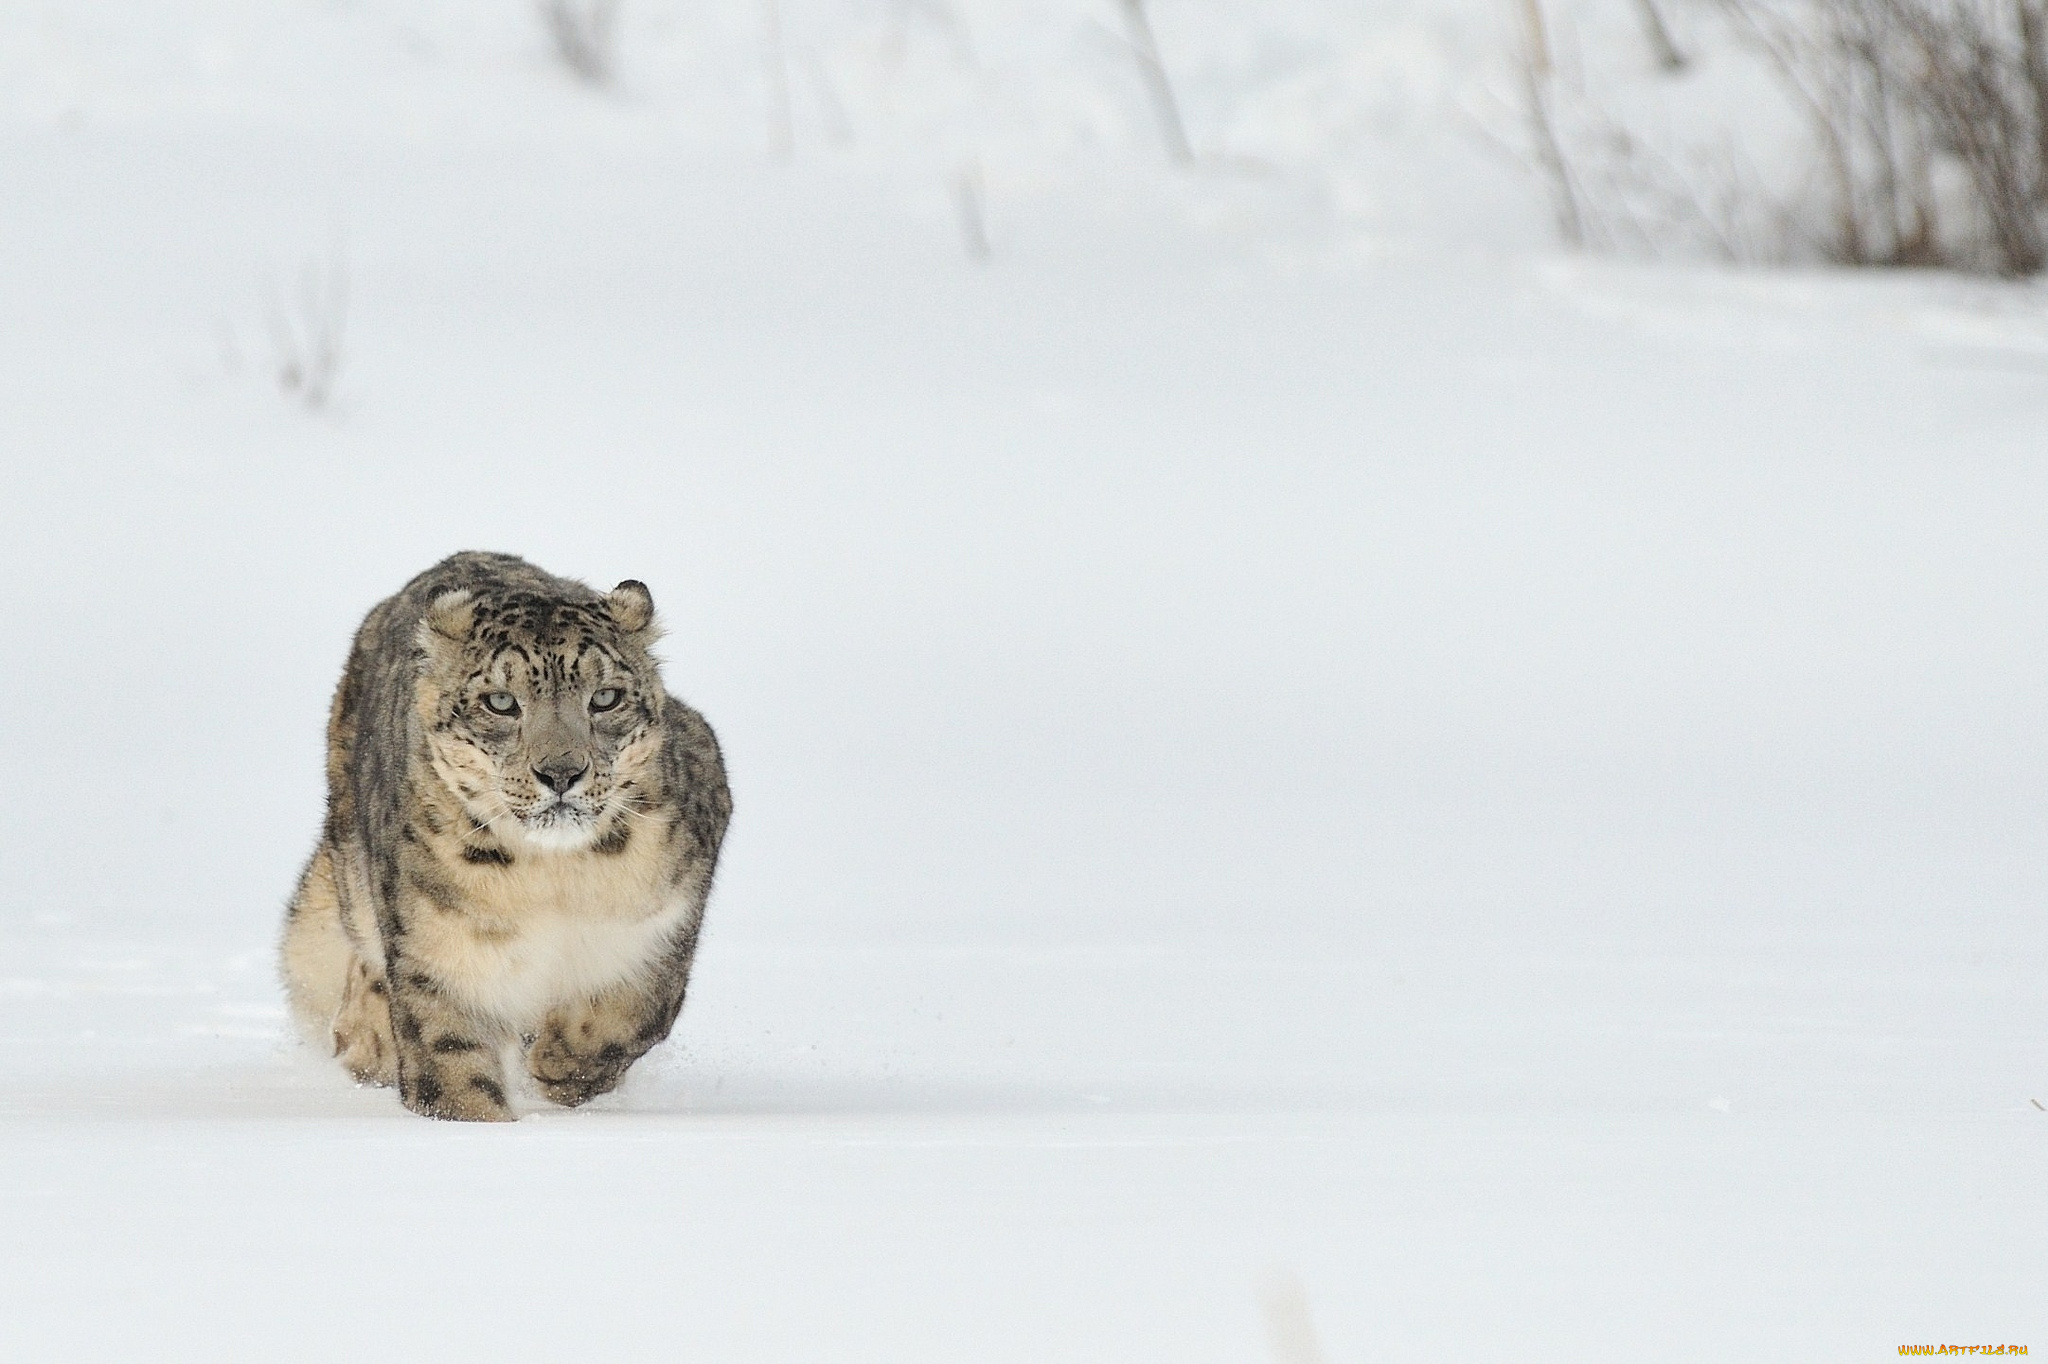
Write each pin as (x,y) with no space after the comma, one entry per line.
(1314,778)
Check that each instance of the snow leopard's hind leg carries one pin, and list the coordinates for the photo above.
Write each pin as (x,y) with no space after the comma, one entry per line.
(338,999)
(362,1027)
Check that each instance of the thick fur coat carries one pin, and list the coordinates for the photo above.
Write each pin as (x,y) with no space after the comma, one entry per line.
(521,831)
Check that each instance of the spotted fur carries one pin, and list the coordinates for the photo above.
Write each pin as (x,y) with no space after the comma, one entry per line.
(489,882)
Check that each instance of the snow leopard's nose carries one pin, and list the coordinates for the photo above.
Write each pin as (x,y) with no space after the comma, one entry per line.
(559,774)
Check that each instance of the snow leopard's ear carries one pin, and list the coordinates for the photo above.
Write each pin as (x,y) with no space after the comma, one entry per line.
(446,624)
(632,606)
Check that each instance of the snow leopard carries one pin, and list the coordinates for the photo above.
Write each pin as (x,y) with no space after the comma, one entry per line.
(522,826)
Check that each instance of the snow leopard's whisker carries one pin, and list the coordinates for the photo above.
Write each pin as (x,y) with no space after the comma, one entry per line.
(485,825)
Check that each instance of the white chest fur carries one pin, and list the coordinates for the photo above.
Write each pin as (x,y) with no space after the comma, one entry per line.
(549,929)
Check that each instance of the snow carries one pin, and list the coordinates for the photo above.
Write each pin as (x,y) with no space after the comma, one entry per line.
(1296,750)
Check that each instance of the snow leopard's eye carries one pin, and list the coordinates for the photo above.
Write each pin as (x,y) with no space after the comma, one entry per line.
(502,702)
(605,698)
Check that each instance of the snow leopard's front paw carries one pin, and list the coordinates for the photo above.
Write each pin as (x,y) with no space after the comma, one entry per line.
(577,1056)
(458,1093)
(446,1067)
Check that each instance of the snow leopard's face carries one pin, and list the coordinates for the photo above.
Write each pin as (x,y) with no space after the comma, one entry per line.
(544,713)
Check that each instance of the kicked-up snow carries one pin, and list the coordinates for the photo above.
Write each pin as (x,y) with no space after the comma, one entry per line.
(1315,780)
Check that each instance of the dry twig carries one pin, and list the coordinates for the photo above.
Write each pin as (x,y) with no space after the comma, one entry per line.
(1152,70)
(585,36)
(306,334)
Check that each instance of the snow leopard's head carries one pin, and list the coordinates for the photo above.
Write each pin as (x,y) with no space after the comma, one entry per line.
(542,714)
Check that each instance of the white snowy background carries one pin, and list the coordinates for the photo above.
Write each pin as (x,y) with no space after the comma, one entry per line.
(1317,779)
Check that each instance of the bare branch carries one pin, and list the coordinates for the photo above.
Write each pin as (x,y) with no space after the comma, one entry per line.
(1658,35)
(1538,81)
(585,36)
(1928,120)
(968,196)
(306,334)
(1145,48)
